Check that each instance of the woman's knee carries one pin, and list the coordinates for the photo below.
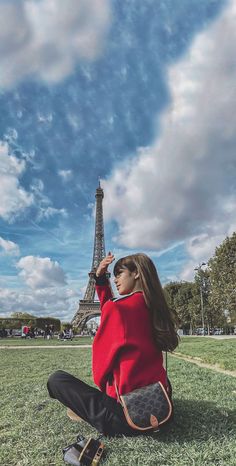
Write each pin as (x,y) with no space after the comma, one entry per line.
(54,381)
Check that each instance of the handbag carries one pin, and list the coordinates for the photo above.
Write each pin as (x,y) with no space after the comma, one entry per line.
(146,408)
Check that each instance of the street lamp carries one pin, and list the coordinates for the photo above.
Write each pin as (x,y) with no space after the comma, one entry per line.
(199,268)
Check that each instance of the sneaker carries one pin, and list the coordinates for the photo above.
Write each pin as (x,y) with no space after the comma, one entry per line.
(73,416)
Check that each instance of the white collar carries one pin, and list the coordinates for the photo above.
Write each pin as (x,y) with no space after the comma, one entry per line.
(126,295)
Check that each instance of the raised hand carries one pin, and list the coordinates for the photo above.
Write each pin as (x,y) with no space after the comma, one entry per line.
(103,266)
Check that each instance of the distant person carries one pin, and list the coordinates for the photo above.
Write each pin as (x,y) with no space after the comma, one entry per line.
(47,333)
(51,330)
(25,331)
(31,332)
(3,332)
(127,348)
(60,335)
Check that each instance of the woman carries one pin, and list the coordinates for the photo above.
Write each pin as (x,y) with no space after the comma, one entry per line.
(127,349)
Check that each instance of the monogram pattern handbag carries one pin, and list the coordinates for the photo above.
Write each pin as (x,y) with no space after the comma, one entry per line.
(146,408)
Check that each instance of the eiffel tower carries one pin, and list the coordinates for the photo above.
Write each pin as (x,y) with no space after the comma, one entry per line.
(88,307)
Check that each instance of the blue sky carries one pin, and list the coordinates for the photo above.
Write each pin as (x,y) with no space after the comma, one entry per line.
(139,93)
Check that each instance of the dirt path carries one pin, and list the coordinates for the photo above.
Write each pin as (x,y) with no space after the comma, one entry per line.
(199,363)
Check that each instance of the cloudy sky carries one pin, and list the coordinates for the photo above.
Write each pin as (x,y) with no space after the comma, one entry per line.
(141,93)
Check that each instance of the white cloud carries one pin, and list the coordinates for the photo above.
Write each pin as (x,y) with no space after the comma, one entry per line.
(75,121)
(46,38)
(55,302)
(184,186)
(45,210)
(47,118)
(65,174)
(11,135)
(48,212)
(13,198)
(41,272)
(9,247)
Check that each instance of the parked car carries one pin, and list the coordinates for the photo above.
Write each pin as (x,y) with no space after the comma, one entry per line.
(201,331)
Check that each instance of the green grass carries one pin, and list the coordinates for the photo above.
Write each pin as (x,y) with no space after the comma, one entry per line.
(210,350)
(39,341)
(34,428)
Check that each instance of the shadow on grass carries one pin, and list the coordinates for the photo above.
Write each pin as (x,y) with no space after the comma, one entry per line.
(198,420)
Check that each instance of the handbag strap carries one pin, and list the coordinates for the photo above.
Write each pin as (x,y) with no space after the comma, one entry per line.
(166,366)
(168,386)
(117,392)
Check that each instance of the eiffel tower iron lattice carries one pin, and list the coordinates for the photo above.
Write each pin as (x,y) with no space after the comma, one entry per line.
(88,307)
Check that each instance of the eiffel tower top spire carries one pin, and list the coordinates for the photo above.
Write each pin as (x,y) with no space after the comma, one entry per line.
(99,240)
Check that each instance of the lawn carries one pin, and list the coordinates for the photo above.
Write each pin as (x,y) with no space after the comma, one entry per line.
(33,428)
(219,352)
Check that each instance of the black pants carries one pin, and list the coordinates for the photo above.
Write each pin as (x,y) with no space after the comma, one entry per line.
(98,409)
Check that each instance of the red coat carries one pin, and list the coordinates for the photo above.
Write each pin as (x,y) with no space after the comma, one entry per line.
(123,347)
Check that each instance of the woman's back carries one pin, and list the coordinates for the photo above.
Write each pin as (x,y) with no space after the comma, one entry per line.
(124,349)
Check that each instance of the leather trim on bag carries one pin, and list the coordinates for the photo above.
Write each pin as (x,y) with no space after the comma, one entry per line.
(170,405)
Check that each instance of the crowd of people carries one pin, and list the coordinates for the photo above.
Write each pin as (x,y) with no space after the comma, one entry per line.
(66,334)
(47,333)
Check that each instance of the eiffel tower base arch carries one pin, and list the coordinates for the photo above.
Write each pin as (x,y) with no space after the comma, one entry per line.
(87,310)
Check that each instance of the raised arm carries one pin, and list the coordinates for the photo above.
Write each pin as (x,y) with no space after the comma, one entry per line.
(104,264)
(102,284)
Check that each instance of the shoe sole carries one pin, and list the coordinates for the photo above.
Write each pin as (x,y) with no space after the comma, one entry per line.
(72,415)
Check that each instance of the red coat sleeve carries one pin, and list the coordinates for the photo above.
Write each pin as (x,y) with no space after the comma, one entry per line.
(104,293)
(108,342)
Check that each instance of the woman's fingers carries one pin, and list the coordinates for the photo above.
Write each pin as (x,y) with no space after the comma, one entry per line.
(102,268)
(110,258)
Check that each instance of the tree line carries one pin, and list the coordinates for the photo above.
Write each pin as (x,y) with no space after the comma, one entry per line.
(18,319)
(211,298)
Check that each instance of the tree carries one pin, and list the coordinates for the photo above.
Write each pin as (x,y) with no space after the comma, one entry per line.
(222,272)
(202,280)
(27,319)
(171,290)
(22,315)
(186,305)
(183,298)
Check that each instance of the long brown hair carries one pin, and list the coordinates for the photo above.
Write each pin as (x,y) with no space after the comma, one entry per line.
(163,321)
